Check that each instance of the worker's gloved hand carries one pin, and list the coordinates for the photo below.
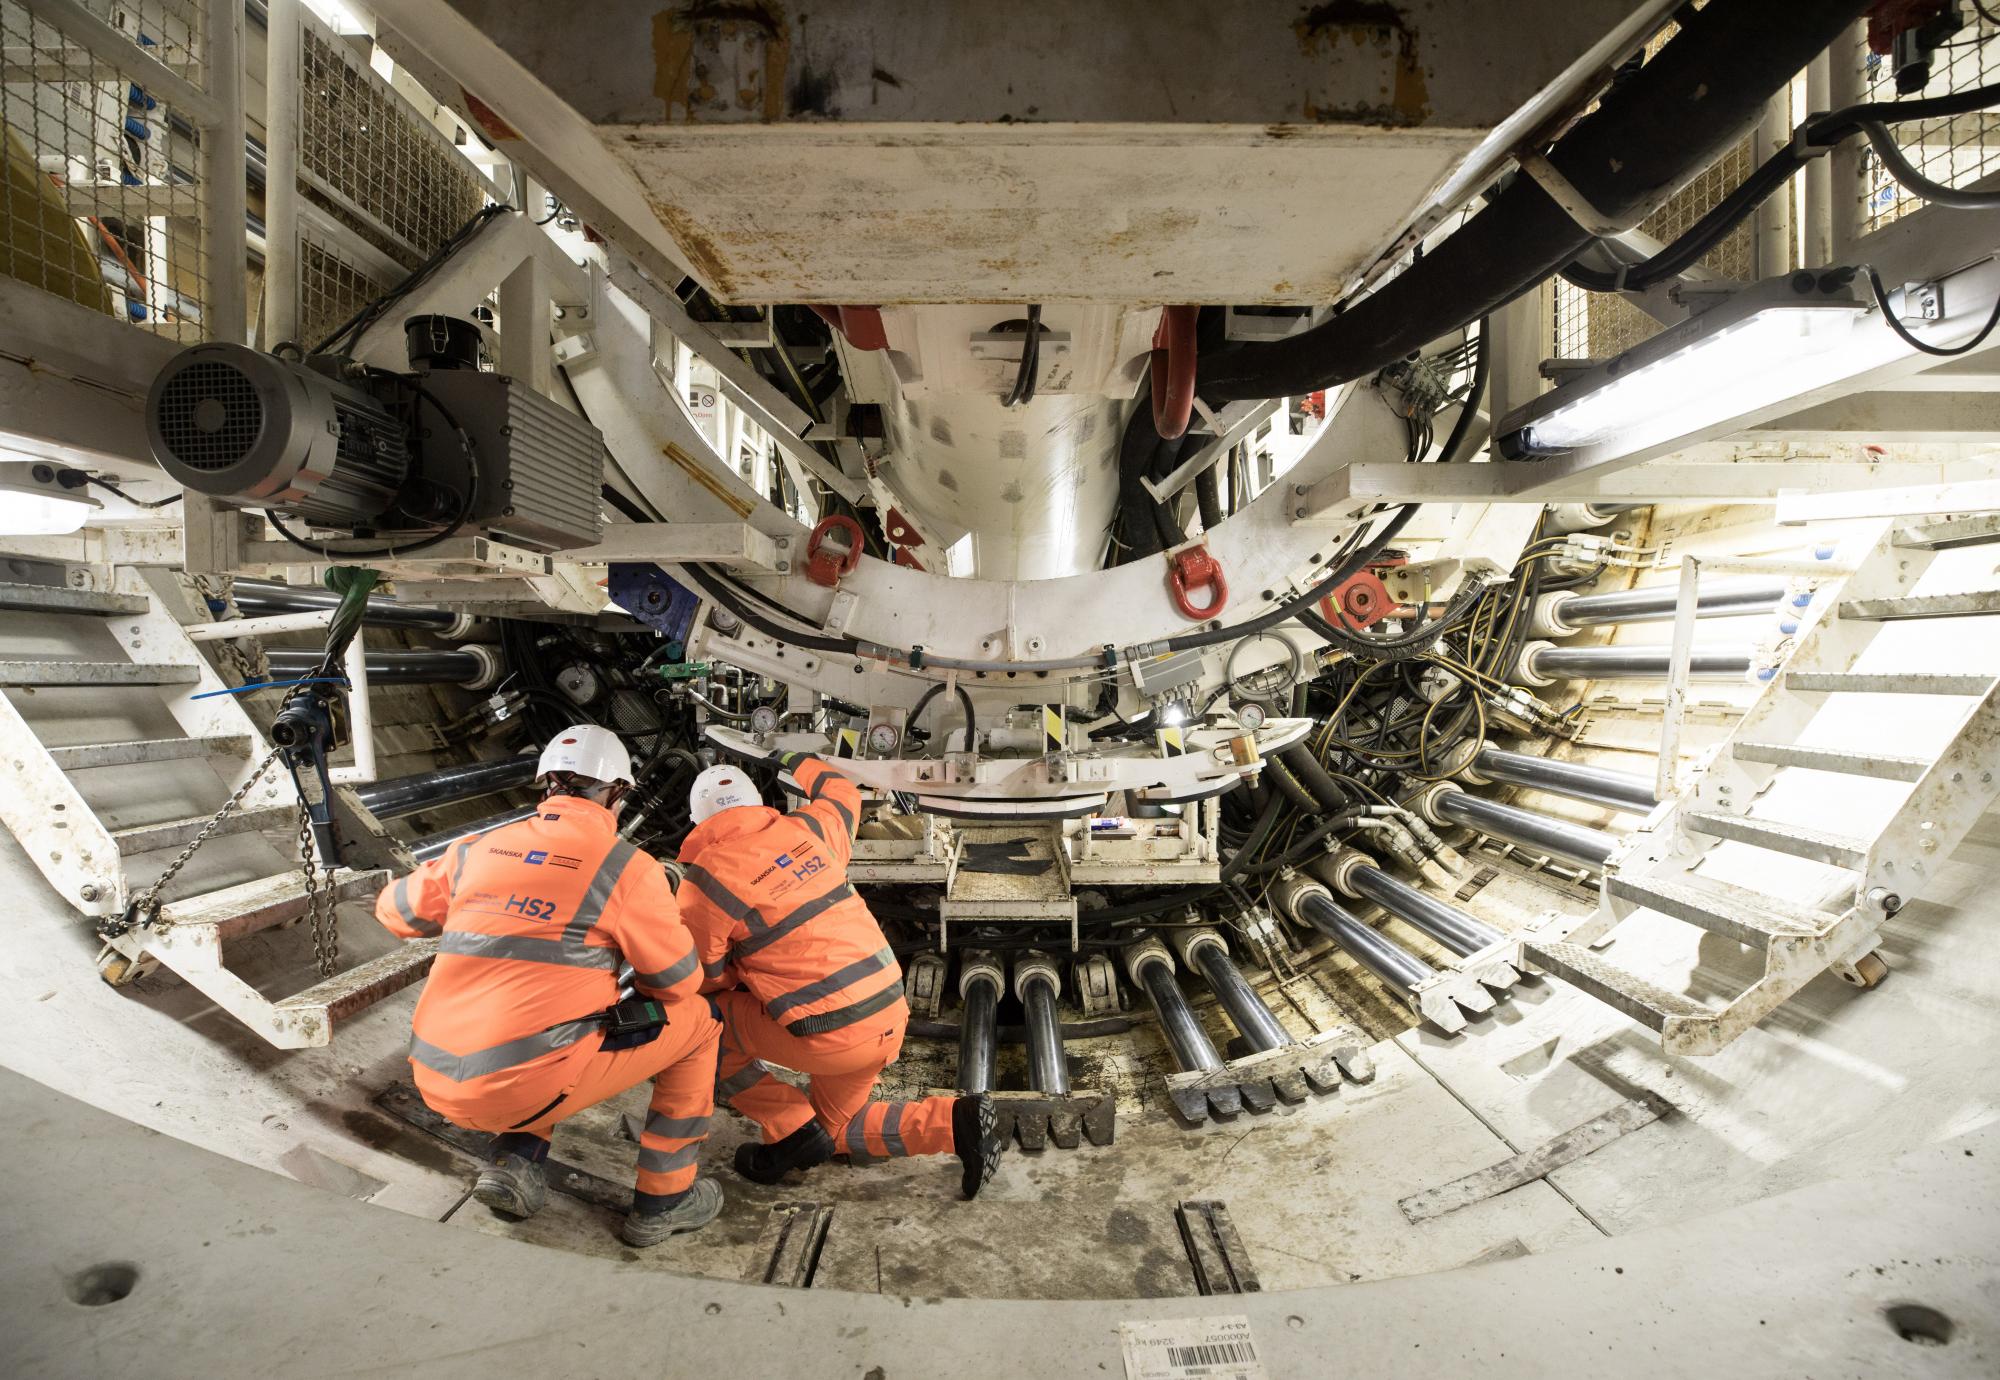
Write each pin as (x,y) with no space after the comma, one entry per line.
(789,761)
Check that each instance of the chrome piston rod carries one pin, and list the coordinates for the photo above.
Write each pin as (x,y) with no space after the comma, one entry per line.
(1047,1070)
(1572,842)
(406,795)
(1541,663)
(1192,1049)
(1369,947)
(1254,1021)
(1617,790)
(435,845)
(1447,924)
(980,991)
(1656,604)
(258,598)
(472,668)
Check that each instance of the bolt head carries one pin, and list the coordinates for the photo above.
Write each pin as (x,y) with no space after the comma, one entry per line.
(88,891)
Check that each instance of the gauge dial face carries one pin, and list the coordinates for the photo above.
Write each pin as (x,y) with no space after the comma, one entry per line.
(882,739)
(1251,716)
(763,720)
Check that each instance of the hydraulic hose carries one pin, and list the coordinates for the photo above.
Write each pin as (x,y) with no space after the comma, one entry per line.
(1289,786)
(1674,117)
(1326,792)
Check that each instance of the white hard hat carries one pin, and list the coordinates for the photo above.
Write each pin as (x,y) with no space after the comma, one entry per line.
(587,750)
(719,789)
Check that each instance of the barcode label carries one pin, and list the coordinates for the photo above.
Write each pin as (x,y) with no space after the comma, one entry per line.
(1208,1348)
(1213,1353)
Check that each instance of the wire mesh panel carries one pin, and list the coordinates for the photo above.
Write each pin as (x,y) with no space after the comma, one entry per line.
(331,289)
(373,162)
(1958,150)
(100,203)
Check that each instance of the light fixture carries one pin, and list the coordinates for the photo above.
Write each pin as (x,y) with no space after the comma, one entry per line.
(1775,340)
(1173,713)
(37,499)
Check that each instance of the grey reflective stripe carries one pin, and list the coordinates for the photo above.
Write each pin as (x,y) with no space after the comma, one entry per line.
(818,831)
(479,1063)
(426,928)
(846,815)
(458,868)
(744,1078)
(715,969)
(847,1015)
(400,893)
(668,977)
(676,1127)
(653,1161)
(598,895)
(725,900)
(808,911)
(857,1132)
(831,983)
(526,948)
(892,1129)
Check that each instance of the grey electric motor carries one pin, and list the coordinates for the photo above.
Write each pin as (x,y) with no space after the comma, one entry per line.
(386,455)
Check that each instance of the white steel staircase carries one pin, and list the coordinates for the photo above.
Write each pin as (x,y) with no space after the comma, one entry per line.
(1661,868)
(85,859)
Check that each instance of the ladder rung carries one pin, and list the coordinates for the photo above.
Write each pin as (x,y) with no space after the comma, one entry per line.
(174,833)
(1881,766)
(55,599)
(253,906)
(1923,606)
(1836,849)
(1614,986)
(1890,683)
(1749,917)
(40,673)
(360,987)
(86,755)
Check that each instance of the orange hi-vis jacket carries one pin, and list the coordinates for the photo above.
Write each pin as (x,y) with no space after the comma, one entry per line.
(767,900)
(535,919)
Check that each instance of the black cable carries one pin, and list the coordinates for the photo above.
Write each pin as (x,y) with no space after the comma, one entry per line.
(371,311)
(1882,304)
(109,487)
(556,208)
(1031,352)
(470,498)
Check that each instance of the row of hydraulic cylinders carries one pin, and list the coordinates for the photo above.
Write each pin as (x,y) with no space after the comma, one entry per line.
(1562,614)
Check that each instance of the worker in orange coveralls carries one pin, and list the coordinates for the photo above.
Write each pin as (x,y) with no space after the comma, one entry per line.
(804,979)
(520,1023)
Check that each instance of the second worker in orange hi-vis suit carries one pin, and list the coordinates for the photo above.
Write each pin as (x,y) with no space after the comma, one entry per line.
(520,1023)
(804,979)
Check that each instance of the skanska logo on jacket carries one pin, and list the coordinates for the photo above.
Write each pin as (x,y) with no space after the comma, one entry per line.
(538,857)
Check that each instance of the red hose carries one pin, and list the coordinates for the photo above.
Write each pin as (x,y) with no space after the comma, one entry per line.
(1173,371)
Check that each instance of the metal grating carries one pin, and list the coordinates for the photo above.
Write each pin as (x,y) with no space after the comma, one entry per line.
(99,202)
(1957,151)
(331,289)
(209,415)
(372,161)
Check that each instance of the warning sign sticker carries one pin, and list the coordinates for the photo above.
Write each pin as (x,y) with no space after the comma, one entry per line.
(1217,1348)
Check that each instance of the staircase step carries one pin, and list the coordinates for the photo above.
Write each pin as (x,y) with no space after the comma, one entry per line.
(249,907)
(1948,534)
(55,599)
(176,833)
(360,987)
(1626,992)
(1749,917)
(1875,764)
(1837,849)
(1969,605)
(39,673)
(86,755)
(1888,683)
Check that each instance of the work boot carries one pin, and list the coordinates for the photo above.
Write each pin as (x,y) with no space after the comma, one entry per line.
(700,1207)
(976,1140)
(802,1149)
(513,1186)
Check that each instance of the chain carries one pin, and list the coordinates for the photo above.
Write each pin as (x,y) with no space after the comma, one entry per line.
(319,899)
(146,909)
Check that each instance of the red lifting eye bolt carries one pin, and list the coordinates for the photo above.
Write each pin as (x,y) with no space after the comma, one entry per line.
(825,566)
(1193,569)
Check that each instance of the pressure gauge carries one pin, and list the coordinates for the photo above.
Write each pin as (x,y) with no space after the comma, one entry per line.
(882,739)
(1252,715)
(763,721)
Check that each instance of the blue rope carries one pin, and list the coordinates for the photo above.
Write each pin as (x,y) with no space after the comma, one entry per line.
(271,685)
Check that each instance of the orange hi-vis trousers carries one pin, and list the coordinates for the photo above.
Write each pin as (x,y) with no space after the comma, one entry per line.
(841,1067)
(680,1061)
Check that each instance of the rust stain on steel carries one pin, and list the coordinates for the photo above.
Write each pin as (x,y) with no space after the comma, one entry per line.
(696,247)
(1368,22)
(691,43)
(488,119)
